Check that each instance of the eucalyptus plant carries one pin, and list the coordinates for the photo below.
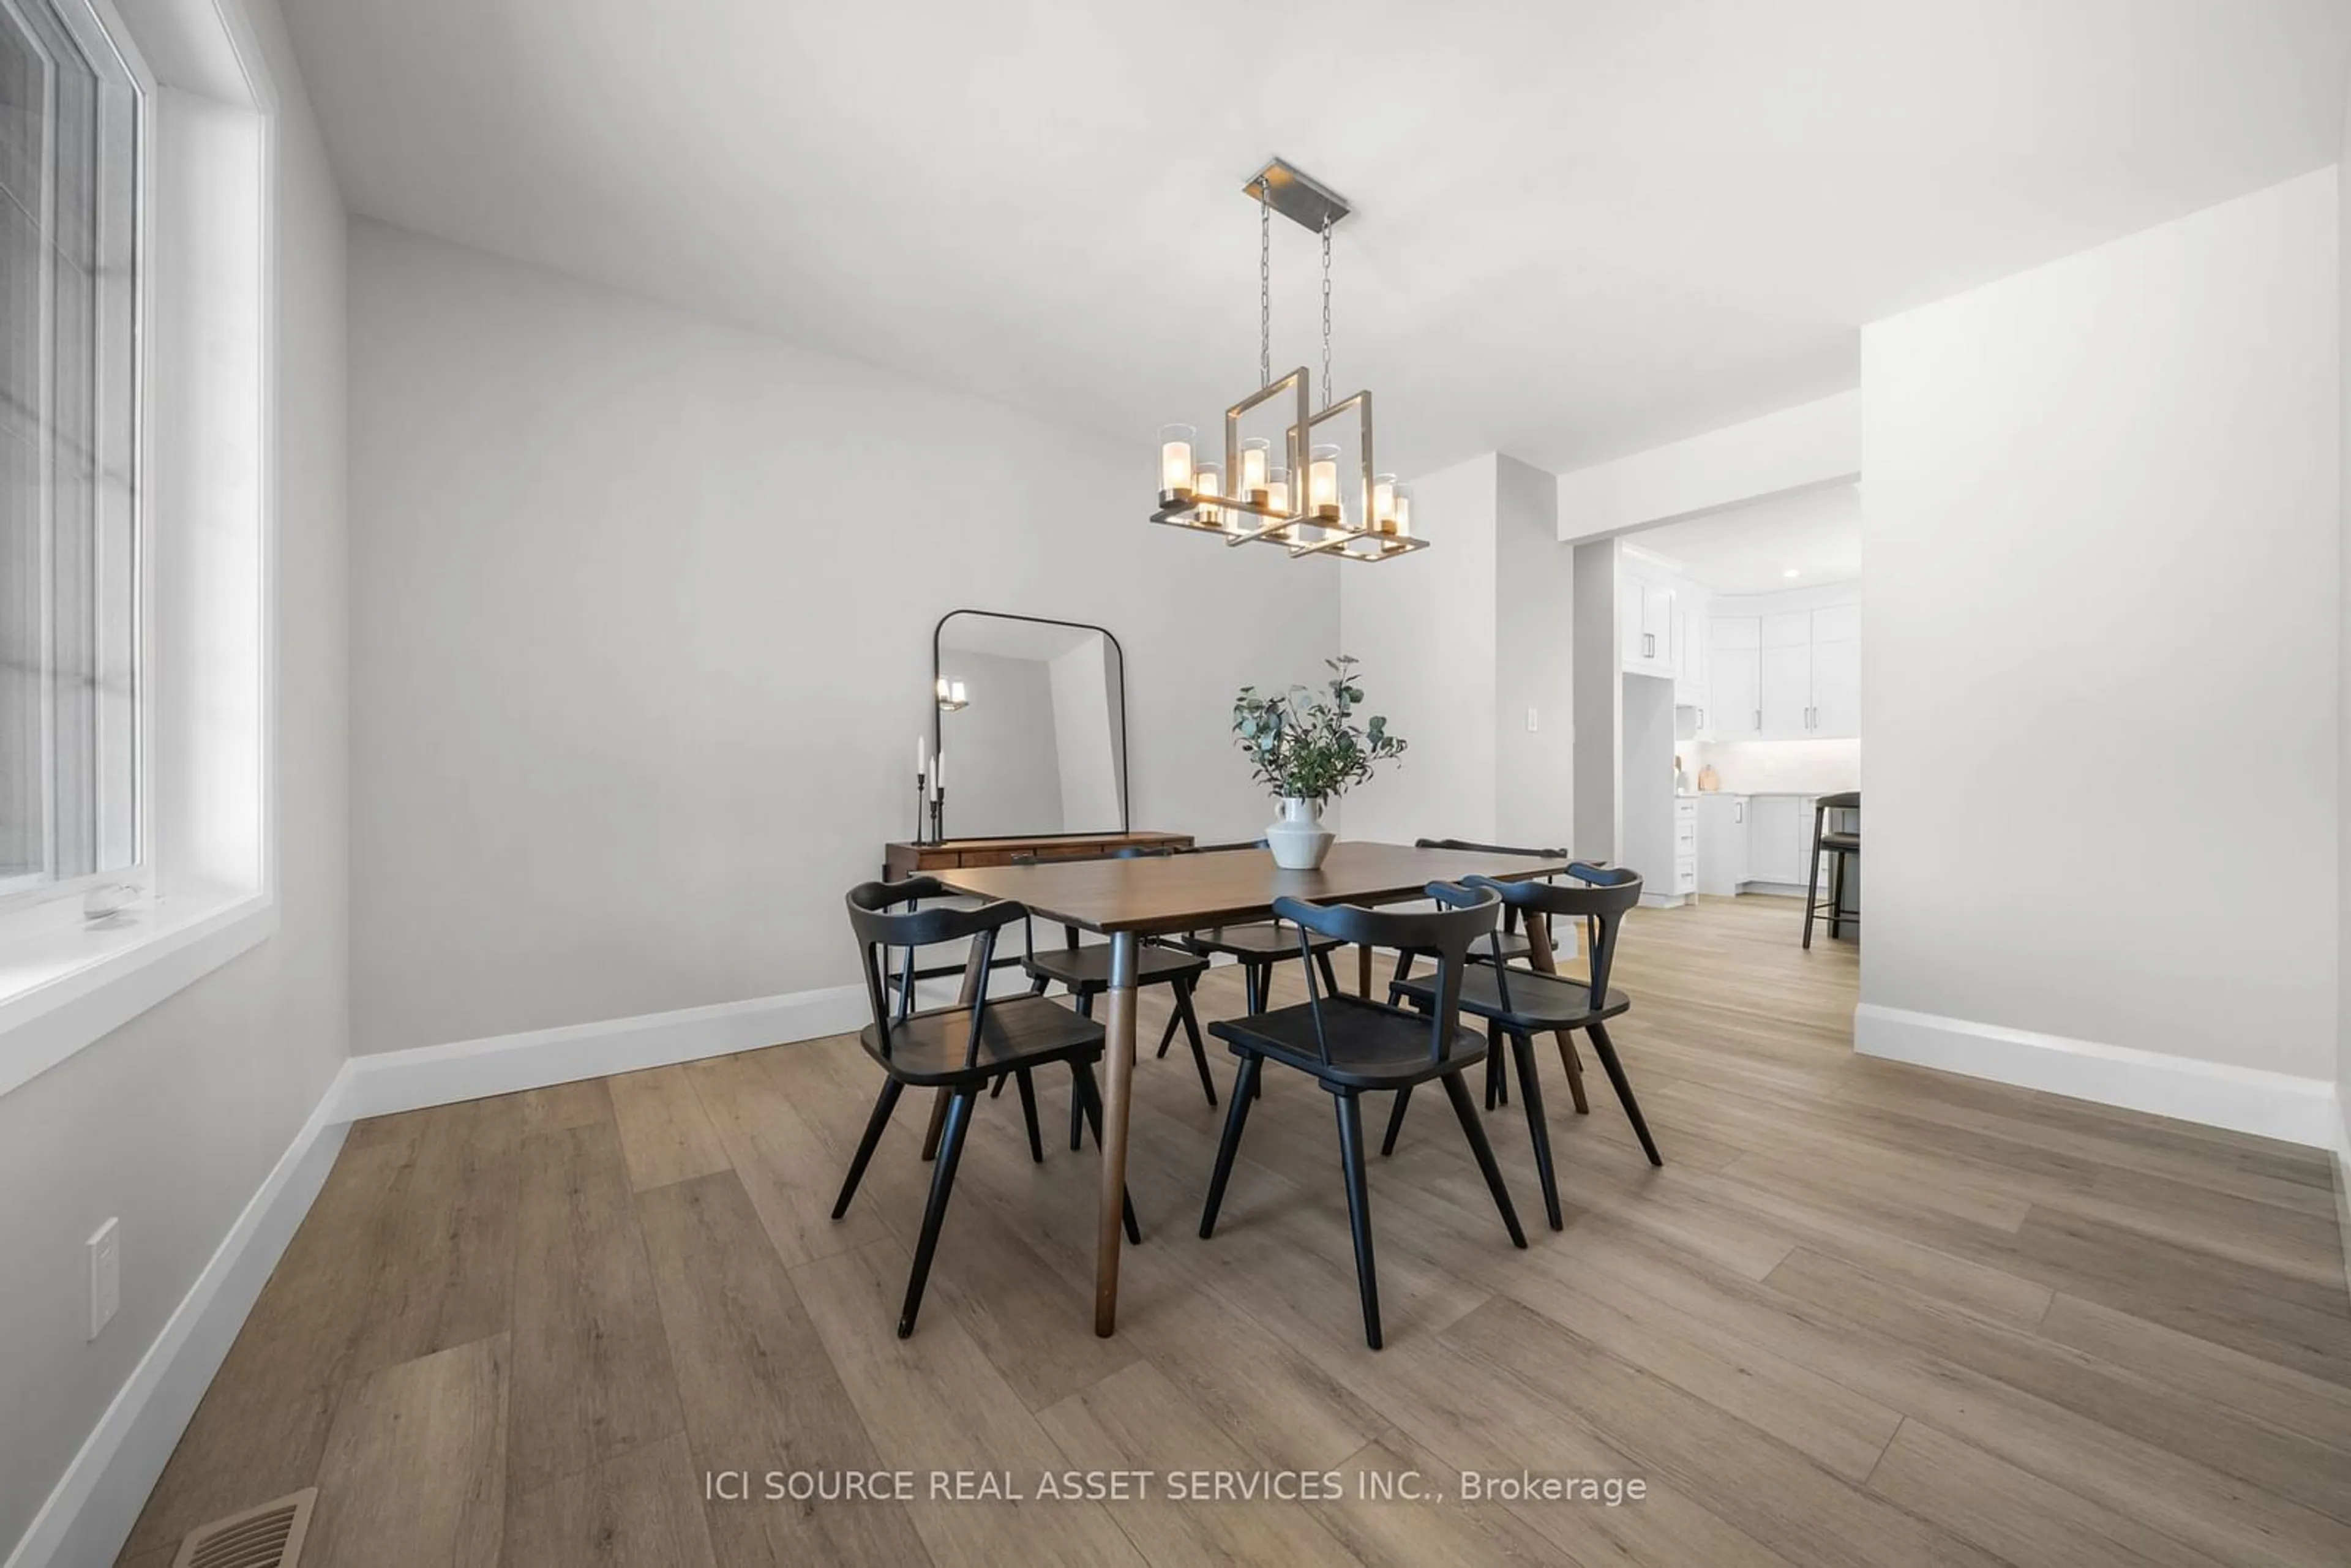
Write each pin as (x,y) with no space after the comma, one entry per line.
(1307,743)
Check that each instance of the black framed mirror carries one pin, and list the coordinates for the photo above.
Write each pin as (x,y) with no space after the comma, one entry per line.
(1029,724)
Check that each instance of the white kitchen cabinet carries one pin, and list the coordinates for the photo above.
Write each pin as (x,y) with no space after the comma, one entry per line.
(1690,652)
(1836,690)
(1792,674)
(1722,843)
(1648,626)
(1785,692)
(1734,704)
(1779,832)
(1657,627)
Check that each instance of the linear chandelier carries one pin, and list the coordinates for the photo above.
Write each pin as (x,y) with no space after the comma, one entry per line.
(1292,497)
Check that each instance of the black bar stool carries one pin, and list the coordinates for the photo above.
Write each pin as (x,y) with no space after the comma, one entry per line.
(1351,1044)
(1841,844)
(957,1048)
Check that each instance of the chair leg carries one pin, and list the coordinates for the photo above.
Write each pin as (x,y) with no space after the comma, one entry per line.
(1089,1099)
(1813,882)
(1167,1035)
(1615,1070)
(874,1125)
(1085,1005)
(1396,1121)
(996,1090)
(1359,1211)
(1260,986)
(1028,1114)
(1465,1110)
(938,1124)
(1038,989)
(1573,1063)
(942,1186)
(1836,895)
(1192,1032)
(1236,1117)
(1497,1082)
(1522,1051)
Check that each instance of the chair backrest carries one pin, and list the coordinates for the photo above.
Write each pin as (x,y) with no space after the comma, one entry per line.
(1447,932)
(1222,849)
(878,930)
(1601,902)
(1509,915)
(1847,801)
(1488,849)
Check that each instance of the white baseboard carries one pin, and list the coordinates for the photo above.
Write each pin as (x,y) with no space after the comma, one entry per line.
(89,1513)
(393,1081)
(2241,1099)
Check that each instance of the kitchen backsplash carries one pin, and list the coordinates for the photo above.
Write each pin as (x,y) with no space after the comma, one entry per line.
(1777,767)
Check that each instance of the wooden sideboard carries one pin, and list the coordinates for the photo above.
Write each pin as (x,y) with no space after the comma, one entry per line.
(900,860)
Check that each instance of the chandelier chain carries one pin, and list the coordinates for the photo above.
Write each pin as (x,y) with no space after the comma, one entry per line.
(1326,313)
(1264,283)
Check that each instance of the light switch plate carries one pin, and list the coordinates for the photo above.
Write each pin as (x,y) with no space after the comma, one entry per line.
(105,1275)
(1531,721)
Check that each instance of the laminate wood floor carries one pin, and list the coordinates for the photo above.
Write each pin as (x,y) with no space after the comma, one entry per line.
(1867,1314)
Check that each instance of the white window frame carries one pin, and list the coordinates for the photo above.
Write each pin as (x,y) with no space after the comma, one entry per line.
(48,905)
(207,447)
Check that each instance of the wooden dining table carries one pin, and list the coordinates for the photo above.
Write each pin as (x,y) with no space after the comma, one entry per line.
(1128,900)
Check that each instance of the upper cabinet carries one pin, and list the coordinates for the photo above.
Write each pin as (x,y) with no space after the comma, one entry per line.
(1661,622)
(1791,673)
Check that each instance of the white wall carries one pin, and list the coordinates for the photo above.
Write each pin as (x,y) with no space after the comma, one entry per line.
(1534,598)
(640,638)
(1812,443)
(2102,521)
(172,1122)
(2343,702)
(1423,627)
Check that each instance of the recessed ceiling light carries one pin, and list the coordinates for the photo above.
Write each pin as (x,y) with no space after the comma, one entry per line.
(1789,572)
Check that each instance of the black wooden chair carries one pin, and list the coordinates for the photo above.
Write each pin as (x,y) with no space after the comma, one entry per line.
(1511,943)
(1519,1004)
(1350,1044)
(1257,947)
(1085,971)
(957,1048)
(1842,844)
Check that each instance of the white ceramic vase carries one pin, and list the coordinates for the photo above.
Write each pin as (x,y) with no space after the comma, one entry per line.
(1298,838)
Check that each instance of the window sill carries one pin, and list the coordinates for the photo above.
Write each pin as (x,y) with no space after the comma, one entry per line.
(60,990)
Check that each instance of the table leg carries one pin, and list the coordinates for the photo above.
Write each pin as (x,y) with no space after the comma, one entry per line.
(1539,954)
(1117,1097)
(1364,972)
(975,986)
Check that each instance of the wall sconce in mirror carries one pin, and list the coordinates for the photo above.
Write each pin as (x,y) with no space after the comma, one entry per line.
(953,697)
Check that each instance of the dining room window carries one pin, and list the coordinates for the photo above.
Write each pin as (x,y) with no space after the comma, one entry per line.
(70,763)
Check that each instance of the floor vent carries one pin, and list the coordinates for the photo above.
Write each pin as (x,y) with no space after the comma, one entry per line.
(269,1536)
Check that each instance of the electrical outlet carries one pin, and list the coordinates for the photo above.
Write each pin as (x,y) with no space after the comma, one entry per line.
(105,1275)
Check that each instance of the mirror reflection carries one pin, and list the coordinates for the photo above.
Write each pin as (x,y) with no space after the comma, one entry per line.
(1033,714)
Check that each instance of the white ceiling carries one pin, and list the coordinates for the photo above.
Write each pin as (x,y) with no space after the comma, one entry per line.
(1583,226)
(1815,533)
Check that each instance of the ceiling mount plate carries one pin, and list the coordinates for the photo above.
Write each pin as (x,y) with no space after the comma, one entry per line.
(1297,196)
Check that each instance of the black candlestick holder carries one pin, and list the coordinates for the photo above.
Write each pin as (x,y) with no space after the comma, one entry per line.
(938,815)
